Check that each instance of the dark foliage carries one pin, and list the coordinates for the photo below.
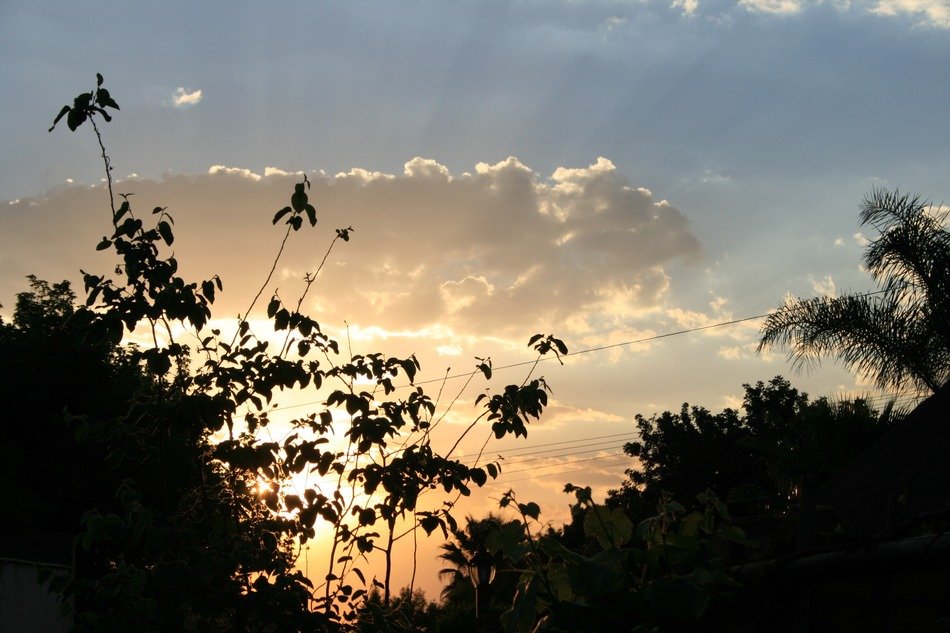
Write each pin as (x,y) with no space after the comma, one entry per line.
(176,528)
(755,458)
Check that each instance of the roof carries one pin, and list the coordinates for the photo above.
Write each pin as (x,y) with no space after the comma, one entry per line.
(904,474)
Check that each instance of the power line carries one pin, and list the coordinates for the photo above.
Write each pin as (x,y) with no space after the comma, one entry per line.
(560,455)
(567,463)
(588,350)
(580,352)
(496,482)
(533,446)
(516,459)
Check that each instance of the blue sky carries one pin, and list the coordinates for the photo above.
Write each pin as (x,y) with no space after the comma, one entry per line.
(674,165)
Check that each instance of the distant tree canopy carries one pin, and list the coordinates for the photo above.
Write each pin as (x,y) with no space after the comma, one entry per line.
(898,335)
(408,611)
(48,477)
(755,457)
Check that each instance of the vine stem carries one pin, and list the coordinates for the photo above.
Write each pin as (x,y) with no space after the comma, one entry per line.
(270,274)
(309,280)
(107,162)
(415,555)
(462,436)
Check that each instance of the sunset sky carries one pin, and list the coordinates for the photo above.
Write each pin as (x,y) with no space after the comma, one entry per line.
(604,171)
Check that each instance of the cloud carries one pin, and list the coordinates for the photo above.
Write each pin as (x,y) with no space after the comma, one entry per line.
(618,341)
(715,178)
(234,171)
(182,98)
(276,171)
(615,22)
(748,352)
(939,211)
(775,7)
(687,6)
(824,287)
(564,414)
(931,12)
(691,319)
(500,252)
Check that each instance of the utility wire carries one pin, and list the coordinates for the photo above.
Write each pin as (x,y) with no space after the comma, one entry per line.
(534,446)
(562,455)
(506,482)
(518,459)
(588,350)
(567,463)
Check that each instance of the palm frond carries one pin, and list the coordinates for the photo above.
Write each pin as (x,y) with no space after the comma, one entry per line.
(875,335)
(898,335)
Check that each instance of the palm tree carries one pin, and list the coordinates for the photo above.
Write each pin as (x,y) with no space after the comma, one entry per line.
(901,333)
(458,594)
(458,552)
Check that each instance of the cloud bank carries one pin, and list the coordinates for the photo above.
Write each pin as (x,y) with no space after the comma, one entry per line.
(496,252)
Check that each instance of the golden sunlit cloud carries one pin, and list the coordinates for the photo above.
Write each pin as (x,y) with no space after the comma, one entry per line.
(501,251)
(824,287)
(235,171)
(445,266)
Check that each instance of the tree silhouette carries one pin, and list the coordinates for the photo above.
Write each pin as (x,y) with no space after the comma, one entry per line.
(48,477)
(214,546)
(898,335)
(458,594)
(755,457)
(408,611)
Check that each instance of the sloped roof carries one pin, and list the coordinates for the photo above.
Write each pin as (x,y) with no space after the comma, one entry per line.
(904,474)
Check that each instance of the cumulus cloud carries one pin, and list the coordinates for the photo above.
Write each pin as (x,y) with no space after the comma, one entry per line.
(824,287)
(688,7)
(234,171)
(182,98)
(276,171)
(498,252)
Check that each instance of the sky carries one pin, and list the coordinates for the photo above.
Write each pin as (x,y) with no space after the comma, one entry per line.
(605,171)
